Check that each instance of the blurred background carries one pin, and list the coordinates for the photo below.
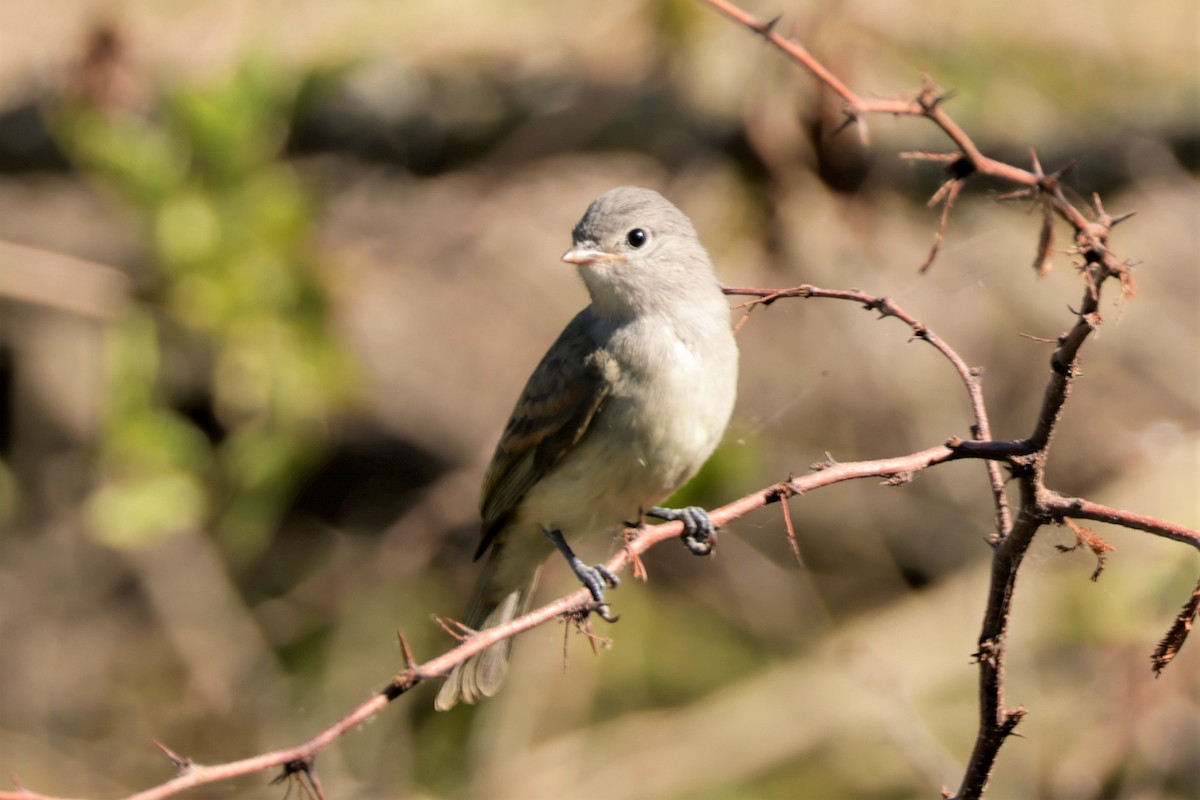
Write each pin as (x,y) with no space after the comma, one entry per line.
(272,274)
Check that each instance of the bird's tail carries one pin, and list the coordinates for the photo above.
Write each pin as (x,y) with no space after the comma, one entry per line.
(493,604)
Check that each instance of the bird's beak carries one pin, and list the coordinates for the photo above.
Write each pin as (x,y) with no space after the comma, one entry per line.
(584,256)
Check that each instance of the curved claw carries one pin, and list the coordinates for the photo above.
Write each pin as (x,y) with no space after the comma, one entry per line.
(699,534)
(603,612)
(594,578)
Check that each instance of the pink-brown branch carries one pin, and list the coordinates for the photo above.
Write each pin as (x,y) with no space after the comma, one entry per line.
(194,774)
(1026,459)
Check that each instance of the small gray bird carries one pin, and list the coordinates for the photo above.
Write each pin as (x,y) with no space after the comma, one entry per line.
(623,409)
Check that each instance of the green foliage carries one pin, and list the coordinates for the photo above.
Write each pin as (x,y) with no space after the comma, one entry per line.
(232,307)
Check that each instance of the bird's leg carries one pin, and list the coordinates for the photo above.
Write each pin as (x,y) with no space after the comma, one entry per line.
(594,578)
(699,534)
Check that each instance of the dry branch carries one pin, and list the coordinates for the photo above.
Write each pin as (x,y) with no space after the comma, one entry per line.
(1025,459)
(1041,507)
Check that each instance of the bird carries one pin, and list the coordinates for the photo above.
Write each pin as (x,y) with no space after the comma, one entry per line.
(625,406)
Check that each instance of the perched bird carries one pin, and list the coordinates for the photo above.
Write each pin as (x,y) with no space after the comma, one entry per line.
(623,409)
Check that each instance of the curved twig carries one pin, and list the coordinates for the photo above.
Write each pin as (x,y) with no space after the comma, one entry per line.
(972,378)
(1008,554)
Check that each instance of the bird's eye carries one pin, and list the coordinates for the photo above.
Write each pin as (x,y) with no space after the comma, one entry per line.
(636,237)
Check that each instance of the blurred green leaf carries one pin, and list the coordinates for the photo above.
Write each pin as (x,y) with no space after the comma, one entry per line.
(139,512)
(232,278)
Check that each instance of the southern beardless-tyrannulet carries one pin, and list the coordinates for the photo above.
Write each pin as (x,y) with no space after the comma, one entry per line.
(623,409)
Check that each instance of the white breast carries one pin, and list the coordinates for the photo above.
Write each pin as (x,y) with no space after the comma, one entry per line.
(665,415)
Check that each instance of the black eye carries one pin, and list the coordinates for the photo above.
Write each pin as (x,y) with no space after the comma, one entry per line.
(636,237)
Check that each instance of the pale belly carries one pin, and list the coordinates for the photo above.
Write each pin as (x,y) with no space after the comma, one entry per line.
(660,424)
(640,448)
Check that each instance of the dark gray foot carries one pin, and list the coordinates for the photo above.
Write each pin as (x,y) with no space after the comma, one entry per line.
(699,534)
(594,578)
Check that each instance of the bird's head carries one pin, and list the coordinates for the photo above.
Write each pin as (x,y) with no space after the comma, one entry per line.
(637,252)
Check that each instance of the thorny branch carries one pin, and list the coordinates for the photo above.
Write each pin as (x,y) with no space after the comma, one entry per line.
(971,377)
(1091,235)
(1039,506)
(1025,459)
